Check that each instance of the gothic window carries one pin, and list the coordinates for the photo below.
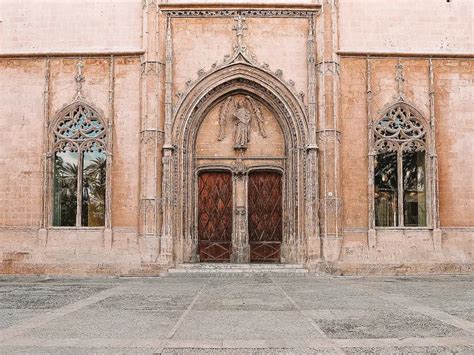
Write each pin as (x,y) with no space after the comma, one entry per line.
(400,169)
(79,169)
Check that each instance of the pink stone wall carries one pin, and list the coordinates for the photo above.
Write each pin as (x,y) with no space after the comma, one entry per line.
(125,147)
(406,26)
(455,130)
(80,251)
(453,83)
(70,26)
(21,139)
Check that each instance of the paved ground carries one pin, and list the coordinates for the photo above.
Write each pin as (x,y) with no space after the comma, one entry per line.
(237,315)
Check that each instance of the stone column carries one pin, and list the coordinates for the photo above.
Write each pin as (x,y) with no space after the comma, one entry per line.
(108,232)
(434,188)
(312,224)
(150,137)
(169,153)
(371,234)
(329,136)
(240,235)
(46,159)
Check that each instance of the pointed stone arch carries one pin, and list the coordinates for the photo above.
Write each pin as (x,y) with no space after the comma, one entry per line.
(179,239)
(398,128)
(79,127)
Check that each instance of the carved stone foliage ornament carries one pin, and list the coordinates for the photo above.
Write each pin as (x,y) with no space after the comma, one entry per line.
(240,111)
(80,129)
(79,79)
(239,168)
(399,127)
(241,54)
(247,13)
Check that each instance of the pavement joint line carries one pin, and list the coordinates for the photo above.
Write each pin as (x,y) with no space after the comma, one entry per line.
(173,330)
(292,301)
(417,307)
(308,319)
(343,343)
(40,320)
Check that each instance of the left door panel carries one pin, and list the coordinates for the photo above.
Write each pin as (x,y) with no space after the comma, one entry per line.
(215,216)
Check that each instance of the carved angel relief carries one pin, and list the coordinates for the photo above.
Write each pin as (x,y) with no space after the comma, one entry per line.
(240,111)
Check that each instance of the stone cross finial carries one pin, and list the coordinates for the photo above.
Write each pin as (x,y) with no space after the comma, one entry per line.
(79,78)
(399,78)
(239,28)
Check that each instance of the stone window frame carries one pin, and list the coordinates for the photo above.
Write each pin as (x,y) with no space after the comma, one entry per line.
(417,141)
(57,140)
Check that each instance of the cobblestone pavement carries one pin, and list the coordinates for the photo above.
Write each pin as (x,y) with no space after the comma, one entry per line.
(237,315)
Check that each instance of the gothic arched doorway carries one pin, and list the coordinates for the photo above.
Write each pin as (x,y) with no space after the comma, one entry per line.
(240,121)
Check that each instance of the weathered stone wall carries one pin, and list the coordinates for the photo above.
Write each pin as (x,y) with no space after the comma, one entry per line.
(21,127)
(454,87)
(406,26)
(70,26)
(122,45)
(452,90)
(27,110)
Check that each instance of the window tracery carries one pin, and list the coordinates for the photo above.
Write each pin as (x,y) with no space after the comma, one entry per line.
(79,171)
(400,171)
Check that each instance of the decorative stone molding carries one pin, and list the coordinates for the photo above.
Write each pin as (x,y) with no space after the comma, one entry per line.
(241,54)
(79,79)
(238,12)
(239,169)
(150,67)
(329,67)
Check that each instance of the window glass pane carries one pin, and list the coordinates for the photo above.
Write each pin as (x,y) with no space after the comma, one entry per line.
(65,188)
(414,196)
(93,189)
(386,190)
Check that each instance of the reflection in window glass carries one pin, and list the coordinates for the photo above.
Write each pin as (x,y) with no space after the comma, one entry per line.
(386,190)
(79,177)
(414,197)
(93,189)
(65,188)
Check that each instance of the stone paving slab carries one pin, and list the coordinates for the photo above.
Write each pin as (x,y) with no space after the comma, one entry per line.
(243,325)
(9,317)
(110,323)
(237,315)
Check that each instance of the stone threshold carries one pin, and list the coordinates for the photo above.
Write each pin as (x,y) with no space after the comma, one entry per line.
(217,269)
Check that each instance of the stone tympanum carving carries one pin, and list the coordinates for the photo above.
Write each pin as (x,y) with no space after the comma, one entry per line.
(241,111)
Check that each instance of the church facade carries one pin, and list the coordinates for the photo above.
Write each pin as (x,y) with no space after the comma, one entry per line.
(138,135)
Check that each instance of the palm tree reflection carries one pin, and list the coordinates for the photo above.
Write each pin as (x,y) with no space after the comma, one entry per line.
(93,189)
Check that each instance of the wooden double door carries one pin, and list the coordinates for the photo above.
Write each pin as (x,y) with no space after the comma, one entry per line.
(262,216)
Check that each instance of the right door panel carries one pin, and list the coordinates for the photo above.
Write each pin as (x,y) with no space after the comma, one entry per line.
(265,215)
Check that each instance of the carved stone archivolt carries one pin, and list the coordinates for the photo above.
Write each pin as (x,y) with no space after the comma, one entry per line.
(246,81)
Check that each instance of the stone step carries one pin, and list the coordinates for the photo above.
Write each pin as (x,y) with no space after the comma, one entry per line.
(227,269)
(238,266)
